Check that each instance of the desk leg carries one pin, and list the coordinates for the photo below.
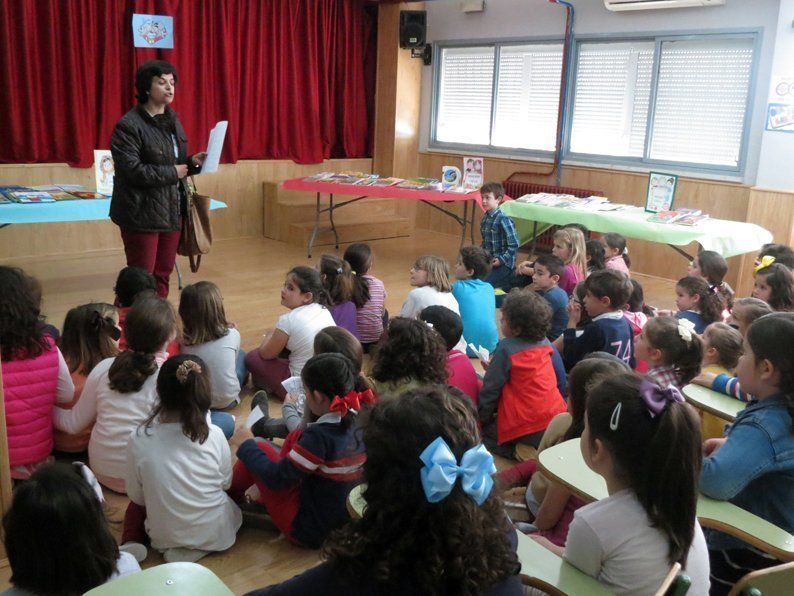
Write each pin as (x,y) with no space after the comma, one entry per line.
(473,213)
(316,227)
(464,222)
(682,252)
(534,237)
(178,275)
(331,217)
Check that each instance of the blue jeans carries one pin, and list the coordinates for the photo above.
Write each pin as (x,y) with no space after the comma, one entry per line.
(242,372)
(223,421)
(500,277)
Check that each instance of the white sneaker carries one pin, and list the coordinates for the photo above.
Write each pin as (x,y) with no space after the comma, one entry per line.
(136,549)
(183,555)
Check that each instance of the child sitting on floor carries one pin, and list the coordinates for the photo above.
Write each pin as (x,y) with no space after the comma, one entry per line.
(551,504)
(345,296)
(781,253)
(774,285)
(305,490)
(405,543)
(120,392)
(206,333)
(713,267)
(306,298)
(548,270)
(525,380)
(596,256)
(56,536)
(499,237)
(293,412)
(722,347)
(34,374)
(672,350)
(645,442)
(411,355)
(371,315)
(637,314)
(569,246)
(617,253)
(90,334)
(605,294)
(132,283)
(697,303)
(745,311)
(753,466)
(460,372)
(178,467)
(475,299)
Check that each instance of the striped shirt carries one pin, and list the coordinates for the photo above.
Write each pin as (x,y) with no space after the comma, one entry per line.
(369,317)
(499,237)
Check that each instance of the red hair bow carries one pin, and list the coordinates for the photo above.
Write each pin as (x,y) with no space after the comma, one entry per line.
(352,402)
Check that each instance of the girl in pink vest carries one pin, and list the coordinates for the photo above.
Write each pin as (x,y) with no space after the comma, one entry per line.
(35,375)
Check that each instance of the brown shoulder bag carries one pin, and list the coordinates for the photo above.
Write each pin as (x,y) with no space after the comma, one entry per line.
(196,235)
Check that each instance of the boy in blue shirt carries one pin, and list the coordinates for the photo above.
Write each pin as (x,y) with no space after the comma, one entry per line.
(476,299)
(499,236)
(548,270)
(606,292)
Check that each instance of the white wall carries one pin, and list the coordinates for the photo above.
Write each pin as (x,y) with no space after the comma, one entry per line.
(538,18)
(777,148)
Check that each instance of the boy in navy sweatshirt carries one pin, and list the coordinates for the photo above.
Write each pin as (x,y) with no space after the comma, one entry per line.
(606,292)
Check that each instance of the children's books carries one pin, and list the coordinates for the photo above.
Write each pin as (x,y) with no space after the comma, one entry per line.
(31,196)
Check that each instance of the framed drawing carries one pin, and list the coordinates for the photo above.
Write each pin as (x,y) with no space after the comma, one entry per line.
(661,192)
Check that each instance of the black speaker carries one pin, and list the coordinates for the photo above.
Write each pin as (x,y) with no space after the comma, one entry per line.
(413,28)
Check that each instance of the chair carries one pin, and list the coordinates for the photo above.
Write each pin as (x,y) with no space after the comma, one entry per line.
(169,579)
(675,584)
(767,582)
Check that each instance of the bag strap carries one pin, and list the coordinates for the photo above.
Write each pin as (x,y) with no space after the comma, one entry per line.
(195,262)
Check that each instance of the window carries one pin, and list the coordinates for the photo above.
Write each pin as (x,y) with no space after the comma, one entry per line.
(671,100)
(526,99)
(696,105)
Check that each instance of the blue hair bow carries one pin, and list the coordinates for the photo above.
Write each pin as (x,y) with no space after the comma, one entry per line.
(441,470)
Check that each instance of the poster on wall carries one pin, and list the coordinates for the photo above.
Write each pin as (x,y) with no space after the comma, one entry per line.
(661,192)
(780,110)
(153,31)
(104,171)
(473,172)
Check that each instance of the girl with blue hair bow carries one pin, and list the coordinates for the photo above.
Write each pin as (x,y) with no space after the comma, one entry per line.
(431,525)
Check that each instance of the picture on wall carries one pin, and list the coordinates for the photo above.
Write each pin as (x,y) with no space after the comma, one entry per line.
(661,192)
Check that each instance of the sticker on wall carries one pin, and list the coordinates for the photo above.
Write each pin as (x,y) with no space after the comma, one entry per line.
(153,31)
(780,117)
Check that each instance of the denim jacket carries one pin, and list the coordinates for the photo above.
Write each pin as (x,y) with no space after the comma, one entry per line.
(754,469)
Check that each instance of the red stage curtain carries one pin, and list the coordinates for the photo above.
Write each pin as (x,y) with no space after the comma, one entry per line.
(294,78)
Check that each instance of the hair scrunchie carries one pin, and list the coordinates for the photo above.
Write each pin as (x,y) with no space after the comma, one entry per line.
(184,370)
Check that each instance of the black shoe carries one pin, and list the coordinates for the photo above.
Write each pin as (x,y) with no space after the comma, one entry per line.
(260,399)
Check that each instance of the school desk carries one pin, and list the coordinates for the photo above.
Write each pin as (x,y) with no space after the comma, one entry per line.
(67,211)
(170,578)
(728,238)
(428,197)
(564,463)
(721,405)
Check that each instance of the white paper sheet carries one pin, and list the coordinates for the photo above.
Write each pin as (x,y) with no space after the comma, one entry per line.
(214,146)
(482,353)
(293,386)
(255,416)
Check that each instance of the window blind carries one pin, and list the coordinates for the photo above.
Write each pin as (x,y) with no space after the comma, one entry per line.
(613,89)
(701,101)
(464,100)
(527,96)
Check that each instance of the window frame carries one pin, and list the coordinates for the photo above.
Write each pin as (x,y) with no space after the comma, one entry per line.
(644,163)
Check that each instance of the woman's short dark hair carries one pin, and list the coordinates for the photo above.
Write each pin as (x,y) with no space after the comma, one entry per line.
(148,71)
(56,536)
(445,321)
(410,350)
(150,323)
(658,457)
(463,547)
(183,387)
(477,259)
(527,313)
(20,317)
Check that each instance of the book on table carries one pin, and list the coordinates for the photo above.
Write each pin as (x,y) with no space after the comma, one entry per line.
(30,196)
(5,192)
(87,194)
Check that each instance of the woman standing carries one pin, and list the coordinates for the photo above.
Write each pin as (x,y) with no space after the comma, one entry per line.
(149,148)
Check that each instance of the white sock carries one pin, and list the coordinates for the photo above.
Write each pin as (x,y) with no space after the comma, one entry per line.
(136,549)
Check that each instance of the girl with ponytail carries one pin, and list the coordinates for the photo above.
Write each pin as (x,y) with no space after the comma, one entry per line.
(90,334)
(180,465)
(119,393)
(753,466)
(645,442)
(304,487)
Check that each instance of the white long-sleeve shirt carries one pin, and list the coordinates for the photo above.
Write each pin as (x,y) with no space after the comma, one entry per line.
(182,483)
(116,414)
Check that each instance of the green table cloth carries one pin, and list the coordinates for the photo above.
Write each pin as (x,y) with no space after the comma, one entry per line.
(728,238)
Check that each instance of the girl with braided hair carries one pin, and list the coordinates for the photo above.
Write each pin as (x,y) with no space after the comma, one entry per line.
(187,512)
